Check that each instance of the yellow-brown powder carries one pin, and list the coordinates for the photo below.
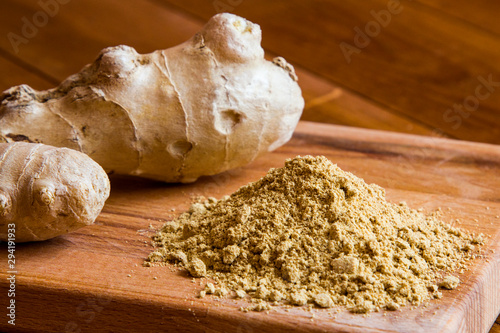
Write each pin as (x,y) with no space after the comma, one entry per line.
(312,233)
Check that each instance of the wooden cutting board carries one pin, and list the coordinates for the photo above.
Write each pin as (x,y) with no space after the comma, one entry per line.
(93,280)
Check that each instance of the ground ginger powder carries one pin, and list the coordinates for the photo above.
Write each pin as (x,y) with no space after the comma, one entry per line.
(312,233)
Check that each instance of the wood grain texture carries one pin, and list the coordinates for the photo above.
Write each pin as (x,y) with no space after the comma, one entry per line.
(79,30)
(419,65)
(482,13)
(92,280)
(15,73)
(327,102)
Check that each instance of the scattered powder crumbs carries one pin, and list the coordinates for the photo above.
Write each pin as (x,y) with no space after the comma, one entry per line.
(312,234)
(210,288)
(323,300)
(197,268)
(240,293)
(449,282)
(260,305)
(221,291)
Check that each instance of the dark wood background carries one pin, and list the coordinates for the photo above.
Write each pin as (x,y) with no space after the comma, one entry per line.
(422,67)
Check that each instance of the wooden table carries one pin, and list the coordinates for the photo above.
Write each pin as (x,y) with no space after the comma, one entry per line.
(422,67)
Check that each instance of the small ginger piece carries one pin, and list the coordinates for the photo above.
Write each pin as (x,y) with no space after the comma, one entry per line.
(47,191)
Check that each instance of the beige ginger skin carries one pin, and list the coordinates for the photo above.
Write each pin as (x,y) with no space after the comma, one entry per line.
(47,191)
(205,106)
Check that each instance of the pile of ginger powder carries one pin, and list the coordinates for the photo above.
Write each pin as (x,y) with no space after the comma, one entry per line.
(311,233)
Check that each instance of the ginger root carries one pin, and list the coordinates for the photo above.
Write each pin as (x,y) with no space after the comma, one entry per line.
(47,191)
(205,106)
